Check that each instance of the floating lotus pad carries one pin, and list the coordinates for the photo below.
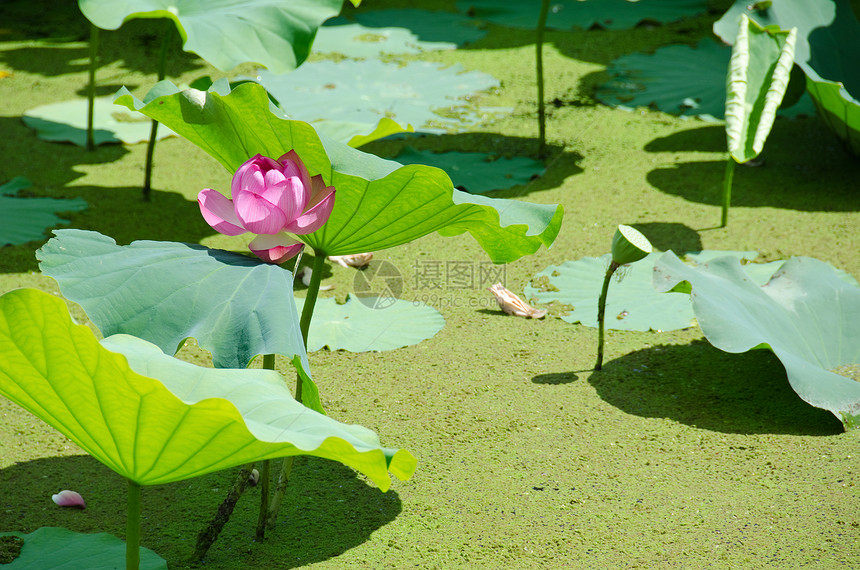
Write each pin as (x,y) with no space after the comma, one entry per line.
(26,219)
(155,419)
(476,172)
(807,314)
(396,32)
(632,303)
(229,32)
(62,549)
(363,92)
(67,122)
(566,14)
(356,326)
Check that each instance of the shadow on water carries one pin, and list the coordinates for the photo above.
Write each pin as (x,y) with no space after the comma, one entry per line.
(328,509)
(701,386)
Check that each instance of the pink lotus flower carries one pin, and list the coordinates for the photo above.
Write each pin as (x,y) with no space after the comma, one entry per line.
(69,499)
(273,199)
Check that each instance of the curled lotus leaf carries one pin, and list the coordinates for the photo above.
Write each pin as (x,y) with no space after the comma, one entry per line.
(155,419)
(807,314)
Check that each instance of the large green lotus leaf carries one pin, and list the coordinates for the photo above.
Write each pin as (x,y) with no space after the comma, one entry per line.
(67,122)
(807,314)
(379,203)
(365,325)
(155,419)
(396,32)
(61,549)
(228,32)
(566,14)
(758,76)
(236,306)
(476,172)
(828,49)
(26,219)
(367,91)
(632,302)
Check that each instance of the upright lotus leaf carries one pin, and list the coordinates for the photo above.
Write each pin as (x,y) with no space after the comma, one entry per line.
(380,203)
(566,14)
(61,549)
(164,292)
(476,172)
(26,219)
(757,79)
(67,122)
(228,32)
(359,326)
(155,419)
(807,314)
(828,48)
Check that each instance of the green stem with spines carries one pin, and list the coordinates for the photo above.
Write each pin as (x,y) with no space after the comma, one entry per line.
(544,11)
(601,312)
(132,527)
(727,191)
(91,86)
(153,132)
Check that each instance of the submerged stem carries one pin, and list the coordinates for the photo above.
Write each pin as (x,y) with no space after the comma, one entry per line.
(544,11)
(91,87)
(601,313)
(153,133)
(304,326)
(132,528)
(209,534)
(727,191)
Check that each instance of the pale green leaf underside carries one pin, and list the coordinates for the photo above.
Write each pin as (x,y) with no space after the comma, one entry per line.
(356,326)
(758,76)
(379,203)
(26,219)
(228,32)
(61,549)
(67,122)
(236,306)
(188,422)
(807,314)
(632,303)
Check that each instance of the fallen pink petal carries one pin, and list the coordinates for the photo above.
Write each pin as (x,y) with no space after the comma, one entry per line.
(513,305)
(354,260)
(69,499)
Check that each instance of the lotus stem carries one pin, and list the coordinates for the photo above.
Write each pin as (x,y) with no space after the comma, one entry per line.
(265,471)
(153,133)
(304,326)
(727,191)
(132,532)
(91,87)
(601,312)
(544,11)
(208,535)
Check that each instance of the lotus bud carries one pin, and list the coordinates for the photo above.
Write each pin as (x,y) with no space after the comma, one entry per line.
(513,305)
(355,260)
(254,478)
(69,499)
(629,245)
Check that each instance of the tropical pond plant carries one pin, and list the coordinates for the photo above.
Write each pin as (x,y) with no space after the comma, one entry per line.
(155,419)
